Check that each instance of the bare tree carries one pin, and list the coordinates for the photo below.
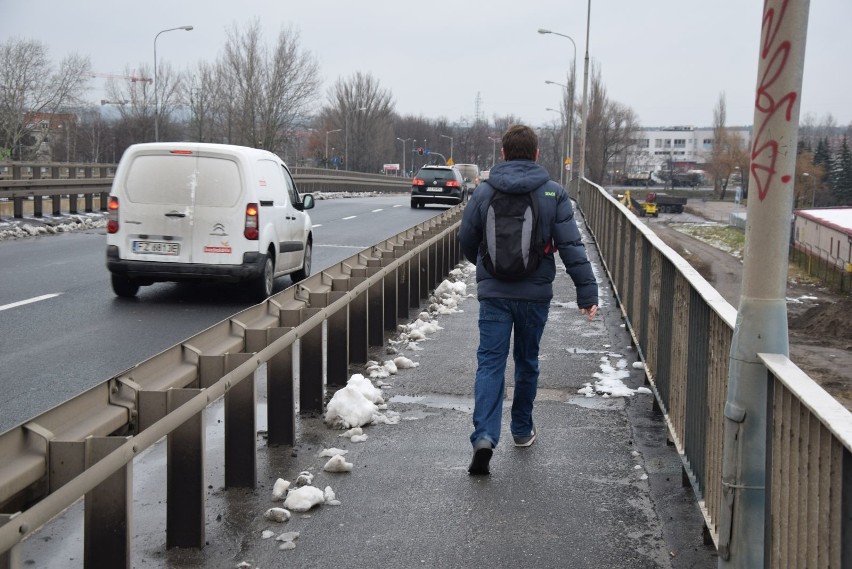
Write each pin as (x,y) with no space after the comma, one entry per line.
(364,112)
(31,85)
(728,153)
(135,102)
(270,90)
(610,132)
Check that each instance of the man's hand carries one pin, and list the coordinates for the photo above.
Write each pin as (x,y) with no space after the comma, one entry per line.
(591,311)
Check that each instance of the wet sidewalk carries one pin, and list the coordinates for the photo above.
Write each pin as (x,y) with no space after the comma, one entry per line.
(600,488)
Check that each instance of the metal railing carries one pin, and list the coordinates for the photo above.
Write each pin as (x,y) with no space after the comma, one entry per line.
(86,446)
(66,184)
(683,330)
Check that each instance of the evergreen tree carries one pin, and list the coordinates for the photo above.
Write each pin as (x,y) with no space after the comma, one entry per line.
(841,175)
(822,155)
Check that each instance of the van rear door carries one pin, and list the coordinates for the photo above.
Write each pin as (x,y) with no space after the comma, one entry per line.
(179,207)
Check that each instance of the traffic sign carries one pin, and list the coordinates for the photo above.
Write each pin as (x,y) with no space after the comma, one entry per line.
(450,161)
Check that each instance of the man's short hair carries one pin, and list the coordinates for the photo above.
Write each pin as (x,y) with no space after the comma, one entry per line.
(520,143)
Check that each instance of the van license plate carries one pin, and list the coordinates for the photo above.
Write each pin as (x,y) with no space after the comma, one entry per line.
(438,189)
(156,248)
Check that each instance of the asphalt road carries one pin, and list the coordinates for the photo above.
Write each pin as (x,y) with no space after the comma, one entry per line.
(54,348)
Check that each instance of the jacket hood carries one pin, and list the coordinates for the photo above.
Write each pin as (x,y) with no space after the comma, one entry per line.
(517,176)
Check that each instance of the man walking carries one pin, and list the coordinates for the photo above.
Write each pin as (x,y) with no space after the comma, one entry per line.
(517,302)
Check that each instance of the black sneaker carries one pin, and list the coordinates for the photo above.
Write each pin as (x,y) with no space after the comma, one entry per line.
(482,452)
(525,441)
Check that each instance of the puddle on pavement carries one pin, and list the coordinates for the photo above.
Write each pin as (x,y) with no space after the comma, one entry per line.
(436,401)
(598,402)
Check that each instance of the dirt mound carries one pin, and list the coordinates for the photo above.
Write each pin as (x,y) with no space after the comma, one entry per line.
(826,320)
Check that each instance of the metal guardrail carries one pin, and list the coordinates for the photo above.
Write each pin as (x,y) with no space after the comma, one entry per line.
(66,184)
(683,330)
(86,446)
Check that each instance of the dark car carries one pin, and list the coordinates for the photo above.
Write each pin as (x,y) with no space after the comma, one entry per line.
(437,184)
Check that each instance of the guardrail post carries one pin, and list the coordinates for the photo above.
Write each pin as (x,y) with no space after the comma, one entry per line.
(311,388)
(240,428)
(9,559)
(66,459)
(337,338)
(414,277)
(88,202)
(358,320)
(186,488)
(440,261)
(375,307)
(390,296)
(403,288)
(18,207)
(106,541)
(280,390)
(56,202)
(38,206)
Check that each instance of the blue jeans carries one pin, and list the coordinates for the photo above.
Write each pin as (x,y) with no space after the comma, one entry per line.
(498,317)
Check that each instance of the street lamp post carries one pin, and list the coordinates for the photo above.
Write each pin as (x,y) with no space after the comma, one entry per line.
(326,143)
(451,145)
(493,149)
(403,141)
(571,96)
(156,100)
(346,135)
(562,145)
(813,188)
(570,127)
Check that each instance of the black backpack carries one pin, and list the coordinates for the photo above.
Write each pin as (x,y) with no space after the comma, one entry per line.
(511,247)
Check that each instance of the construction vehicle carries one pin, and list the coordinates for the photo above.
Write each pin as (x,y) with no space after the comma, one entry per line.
(666,203)
(641,209)
(638,179)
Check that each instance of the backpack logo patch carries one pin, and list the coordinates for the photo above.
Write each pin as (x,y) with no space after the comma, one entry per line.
(511,247)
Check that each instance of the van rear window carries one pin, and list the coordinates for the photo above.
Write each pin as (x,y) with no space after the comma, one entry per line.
(183,180)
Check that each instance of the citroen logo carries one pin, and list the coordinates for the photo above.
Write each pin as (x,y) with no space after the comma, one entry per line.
(219,230)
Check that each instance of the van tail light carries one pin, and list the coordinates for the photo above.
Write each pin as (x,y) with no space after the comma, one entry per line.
(250,231)
(452,184)
(112,215)
(418,182)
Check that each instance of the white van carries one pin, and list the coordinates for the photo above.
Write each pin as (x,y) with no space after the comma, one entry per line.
(182,211)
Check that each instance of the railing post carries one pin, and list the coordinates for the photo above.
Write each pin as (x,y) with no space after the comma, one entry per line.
(390,295)
(358,320)
(337,337)
(186,486)
(240,428)
(10,559)
(106,541)
(375,307)
(311,388)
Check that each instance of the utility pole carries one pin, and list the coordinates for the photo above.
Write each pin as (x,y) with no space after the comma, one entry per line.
(762,314)
(581,163)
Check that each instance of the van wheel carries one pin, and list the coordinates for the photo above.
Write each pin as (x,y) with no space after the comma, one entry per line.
(261,285)
(305,271)
(123,286)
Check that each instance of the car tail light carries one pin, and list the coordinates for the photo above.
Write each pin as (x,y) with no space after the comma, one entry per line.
(452,184)
(251,222)
(112,215)
(418,182)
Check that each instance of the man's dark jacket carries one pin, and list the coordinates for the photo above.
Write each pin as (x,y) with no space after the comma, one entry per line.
(556,223)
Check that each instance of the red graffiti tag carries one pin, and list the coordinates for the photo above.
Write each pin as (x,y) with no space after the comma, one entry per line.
(764,152)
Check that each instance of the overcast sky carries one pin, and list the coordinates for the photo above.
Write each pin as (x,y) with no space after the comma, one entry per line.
(667,59)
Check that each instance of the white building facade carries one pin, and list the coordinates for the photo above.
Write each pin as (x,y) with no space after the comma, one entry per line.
(680,148)
(825,233)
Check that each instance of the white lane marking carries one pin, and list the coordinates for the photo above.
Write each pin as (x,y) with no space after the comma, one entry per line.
(316,225)
(398,205)
(28,301)
(350,217)
(376,210)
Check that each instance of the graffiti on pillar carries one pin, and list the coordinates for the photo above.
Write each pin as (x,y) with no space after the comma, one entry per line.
(774,55)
